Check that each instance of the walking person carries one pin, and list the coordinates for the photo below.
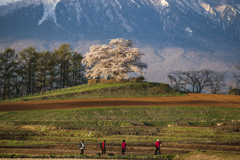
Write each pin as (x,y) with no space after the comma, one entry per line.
(82,147)
(123,147)
(104,147)
(157,145)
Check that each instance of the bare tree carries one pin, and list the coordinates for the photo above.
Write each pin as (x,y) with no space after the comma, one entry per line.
(204,79)
(217,82)
(177,81)
(192,78)
(198,80)
(186,77)
(237,74)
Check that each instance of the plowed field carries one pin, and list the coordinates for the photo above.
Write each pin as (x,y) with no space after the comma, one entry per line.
(196,100)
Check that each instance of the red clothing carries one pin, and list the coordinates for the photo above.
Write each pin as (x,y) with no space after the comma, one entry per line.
(157,144)
(103,145)
(123,145)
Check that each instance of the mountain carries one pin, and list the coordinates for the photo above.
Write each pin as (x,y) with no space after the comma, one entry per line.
(173,34)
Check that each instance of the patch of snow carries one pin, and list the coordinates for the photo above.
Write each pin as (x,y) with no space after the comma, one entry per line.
(8,7)
(164,3)
(49,11)
(78,9)
(227,10)
(109,14)
(208,8)
(189,31)
(5,2)
(118,4)
(135,3)
(125,25)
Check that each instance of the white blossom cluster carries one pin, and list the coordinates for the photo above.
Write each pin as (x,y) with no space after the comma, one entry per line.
(115,60)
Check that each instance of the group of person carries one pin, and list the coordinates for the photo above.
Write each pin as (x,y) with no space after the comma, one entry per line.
(103,147)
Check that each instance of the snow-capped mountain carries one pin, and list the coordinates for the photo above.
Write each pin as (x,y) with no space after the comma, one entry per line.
(132,17)
(171,32)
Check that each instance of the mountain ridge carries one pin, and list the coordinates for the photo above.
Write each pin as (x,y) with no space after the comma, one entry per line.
(200,33)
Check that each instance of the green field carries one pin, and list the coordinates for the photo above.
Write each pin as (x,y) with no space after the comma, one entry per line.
(67,126)
(88,91)
(139,114)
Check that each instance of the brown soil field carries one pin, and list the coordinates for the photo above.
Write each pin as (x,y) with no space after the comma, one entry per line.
(193,99)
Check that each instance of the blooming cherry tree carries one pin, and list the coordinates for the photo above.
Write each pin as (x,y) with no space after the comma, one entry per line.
(117,59)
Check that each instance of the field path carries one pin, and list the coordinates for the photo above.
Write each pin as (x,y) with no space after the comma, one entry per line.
(93,149)
(193,99)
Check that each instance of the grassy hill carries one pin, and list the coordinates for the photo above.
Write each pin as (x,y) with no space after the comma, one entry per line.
(88,91)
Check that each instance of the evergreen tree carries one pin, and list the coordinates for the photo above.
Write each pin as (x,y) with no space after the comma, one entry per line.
(8,65)
(52,70)
(43,68)
(63,55)
(28,59)
(77,69)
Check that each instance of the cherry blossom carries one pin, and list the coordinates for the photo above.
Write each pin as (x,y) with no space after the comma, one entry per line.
(117,59)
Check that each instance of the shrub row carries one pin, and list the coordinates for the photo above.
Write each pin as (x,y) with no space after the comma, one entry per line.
(110,81)
(18,133)
(158,123)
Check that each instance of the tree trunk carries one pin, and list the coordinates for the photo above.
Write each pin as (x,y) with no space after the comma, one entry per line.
(29,81)
(44,83)
(9,88)
(74,72)
(60,85)
(67,78)
(33,84)
(63,74)
(42,80)
(4,88)
(16,85)
(52,82)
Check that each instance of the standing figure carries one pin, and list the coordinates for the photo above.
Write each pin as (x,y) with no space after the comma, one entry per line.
(103,147)
(82,147)
(157,145)
(123,147)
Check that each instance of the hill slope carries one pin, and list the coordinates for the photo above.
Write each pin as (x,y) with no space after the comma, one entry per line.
(88,91)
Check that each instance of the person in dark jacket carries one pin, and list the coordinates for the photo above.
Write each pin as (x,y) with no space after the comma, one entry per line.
(123,147)
(82,147)
(157,145)
(104,147)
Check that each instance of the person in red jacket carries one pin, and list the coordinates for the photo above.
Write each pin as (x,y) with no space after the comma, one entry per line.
(157,145)
(103,147)
(123,147)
